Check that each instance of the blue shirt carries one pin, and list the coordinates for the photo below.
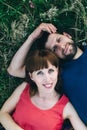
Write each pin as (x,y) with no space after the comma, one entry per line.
(74,77)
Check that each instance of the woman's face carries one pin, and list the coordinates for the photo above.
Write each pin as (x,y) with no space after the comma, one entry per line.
(45,78)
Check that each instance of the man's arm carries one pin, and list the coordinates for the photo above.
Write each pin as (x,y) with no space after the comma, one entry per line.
(17,66)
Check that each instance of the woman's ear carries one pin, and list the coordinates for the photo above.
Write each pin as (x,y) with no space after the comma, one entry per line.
(67,35)
(30,74)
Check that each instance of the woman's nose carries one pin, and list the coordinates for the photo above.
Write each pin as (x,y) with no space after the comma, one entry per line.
(47,77)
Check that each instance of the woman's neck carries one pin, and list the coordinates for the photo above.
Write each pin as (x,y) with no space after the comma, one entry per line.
(45,101)
(47,96)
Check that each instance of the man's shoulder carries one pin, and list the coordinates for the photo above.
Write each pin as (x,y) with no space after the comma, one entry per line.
(83,47)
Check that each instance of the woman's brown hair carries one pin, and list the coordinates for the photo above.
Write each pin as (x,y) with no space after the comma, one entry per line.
(38,59)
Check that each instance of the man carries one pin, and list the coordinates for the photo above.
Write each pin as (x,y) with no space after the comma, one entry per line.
(74,66)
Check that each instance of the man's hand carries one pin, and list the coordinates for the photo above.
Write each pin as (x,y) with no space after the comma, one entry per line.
(48,27)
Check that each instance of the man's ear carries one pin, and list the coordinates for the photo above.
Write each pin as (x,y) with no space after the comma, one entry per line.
(67,35)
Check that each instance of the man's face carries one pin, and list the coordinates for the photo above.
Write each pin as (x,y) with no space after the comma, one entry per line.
(62,45)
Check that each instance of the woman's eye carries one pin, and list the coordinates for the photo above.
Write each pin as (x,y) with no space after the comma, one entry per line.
(40,73)
(51,70)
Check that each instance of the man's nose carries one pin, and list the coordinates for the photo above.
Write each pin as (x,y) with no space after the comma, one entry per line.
(63,46)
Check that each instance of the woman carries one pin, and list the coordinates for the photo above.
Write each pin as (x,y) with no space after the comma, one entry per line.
(39,104)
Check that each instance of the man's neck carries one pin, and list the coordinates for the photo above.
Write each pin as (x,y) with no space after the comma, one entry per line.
(78,53)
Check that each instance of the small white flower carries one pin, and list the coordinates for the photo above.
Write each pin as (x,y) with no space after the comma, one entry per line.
(50,14)
(84,43)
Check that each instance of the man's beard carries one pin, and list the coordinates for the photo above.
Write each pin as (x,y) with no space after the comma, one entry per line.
(70,56)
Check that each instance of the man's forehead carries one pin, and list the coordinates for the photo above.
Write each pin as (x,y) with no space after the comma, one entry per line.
(53,38)
(54,35)
(51,41)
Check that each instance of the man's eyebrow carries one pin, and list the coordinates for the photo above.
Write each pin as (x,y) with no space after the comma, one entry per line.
(58,39)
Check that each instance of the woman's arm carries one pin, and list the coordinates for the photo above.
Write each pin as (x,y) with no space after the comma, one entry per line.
(11,102)
(7,122)
(71,114)
(17,67)
(5,117)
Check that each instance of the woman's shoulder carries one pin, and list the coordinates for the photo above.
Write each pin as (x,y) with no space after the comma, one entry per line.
(68,110)
(64,98)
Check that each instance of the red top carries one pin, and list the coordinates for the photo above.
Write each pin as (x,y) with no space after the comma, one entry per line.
(30,117)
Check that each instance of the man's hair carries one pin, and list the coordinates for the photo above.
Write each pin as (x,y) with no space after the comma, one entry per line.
(40,42)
